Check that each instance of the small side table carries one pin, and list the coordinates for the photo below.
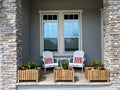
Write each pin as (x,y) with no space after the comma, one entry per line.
(61,59)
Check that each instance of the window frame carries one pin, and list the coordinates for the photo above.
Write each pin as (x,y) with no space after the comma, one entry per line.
(79,33)
(52,21)
(61,45)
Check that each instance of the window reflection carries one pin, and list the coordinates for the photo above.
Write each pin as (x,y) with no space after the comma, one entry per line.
(71,44)
(50,29)
(50,44)
(71,33)
(50,36)
(71,29)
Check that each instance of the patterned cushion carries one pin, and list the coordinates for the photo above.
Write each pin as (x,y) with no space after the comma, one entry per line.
(77,60)
(48,60)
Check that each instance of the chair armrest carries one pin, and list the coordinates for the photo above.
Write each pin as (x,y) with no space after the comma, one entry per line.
(43,60)
(72,59)
(56,59)
(83,59)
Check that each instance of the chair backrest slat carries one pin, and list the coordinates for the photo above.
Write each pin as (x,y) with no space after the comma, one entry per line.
(47,54)
(78,53)
(77,56)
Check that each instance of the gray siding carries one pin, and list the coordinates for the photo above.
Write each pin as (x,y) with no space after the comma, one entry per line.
(91,26)
(26,30)
(92,34)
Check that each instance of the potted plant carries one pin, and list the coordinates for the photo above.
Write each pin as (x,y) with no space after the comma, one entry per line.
(29,71)
(65,64)
(97,72)
(22,66)
(31,65)
(96,64)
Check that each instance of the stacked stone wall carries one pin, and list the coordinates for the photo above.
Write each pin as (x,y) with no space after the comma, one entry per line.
(10,42)
(112,39)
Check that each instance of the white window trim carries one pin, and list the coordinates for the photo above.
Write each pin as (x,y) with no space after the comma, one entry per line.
(43,21)
(102,39)
(61,51)
(79,38)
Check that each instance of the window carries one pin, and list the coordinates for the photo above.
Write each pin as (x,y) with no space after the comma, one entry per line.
(50,32)
(71,32)
(60,31)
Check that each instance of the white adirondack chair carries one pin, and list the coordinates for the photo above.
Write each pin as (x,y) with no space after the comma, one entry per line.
(78,59)
(48,60)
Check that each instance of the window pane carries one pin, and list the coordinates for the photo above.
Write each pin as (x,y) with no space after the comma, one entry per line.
(65,17)
(75,16)
(50,30)
(50,44)
(71,16)
(71,29)
(50,36)
(44,17)
(71,44)
(54,17)
(49,17)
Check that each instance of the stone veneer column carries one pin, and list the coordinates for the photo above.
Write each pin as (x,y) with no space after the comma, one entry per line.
(112,39)
(10,42)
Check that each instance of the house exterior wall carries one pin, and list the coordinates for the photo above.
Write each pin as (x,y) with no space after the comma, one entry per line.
(26,30)
(11,42)
(91,25)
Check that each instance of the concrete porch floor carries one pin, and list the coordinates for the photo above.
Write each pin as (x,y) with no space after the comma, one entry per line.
(48,79)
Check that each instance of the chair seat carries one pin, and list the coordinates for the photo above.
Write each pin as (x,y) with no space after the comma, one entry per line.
(50,65)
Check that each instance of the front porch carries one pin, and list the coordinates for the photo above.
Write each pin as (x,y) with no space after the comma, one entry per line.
(20,40)
(34,40)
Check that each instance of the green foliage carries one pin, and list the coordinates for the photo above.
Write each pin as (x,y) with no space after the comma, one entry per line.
(22,66)
(29,65)
(32,65)
(65,64)
(95,64)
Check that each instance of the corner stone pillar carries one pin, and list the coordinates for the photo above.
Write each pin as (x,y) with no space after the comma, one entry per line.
(112,39)
(10,42)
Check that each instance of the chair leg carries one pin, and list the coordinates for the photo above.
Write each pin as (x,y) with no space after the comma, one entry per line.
(82,69)
(44,69)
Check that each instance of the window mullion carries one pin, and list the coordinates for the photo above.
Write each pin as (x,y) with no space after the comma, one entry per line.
(61,33)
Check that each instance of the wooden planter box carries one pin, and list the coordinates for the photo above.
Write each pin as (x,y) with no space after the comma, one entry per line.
(86,72)
(29,74)
(61,74)
(96,75)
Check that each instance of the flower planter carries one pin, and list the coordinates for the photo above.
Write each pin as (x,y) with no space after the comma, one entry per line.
(29,74)
(86,72)
(61,74)
(96,75)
